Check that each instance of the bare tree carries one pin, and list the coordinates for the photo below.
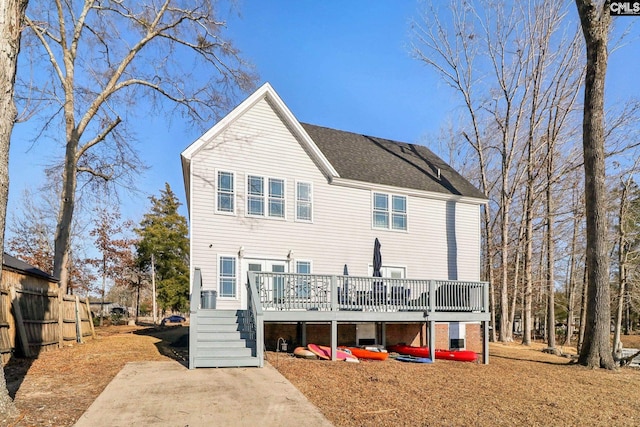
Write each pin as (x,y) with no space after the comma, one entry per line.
(596,348)
(628,216)
(109,59)
(11,21)
(30,236)
(513,66)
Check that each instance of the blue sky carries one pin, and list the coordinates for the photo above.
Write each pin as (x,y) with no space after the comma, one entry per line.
(340,64)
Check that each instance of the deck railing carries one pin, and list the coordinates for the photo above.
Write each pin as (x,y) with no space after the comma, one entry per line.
(194,302)
(254,309)
(290,291)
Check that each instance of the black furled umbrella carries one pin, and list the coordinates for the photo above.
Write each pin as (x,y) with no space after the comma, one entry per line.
(378,288)
(377,259)
(345,285)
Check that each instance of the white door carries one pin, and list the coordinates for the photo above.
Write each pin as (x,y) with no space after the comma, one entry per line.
(275,288)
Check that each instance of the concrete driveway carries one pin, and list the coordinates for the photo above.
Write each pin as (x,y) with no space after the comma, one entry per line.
(169,394)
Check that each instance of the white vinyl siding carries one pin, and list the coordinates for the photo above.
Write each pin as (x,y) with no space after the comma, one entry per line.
(225,193)
(389,211)
(304,201)
(441,241)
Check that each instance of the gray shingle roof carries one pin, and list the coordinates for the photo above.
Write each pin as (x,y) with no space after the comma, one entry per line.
(382,161)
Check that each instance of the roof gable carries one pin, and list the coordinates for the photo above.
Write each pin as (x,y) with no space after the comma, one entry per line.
(349,156)
(268,93)
(382,161)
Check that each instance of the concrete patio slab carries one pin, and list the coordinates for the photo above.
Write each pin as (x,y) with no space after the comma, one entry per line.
(169,394)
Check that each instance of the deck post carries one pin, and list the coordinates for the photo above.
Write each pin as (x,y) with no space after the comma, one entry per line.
(383,332)
(334,339)
(304,333)
(432,339)
(485,342)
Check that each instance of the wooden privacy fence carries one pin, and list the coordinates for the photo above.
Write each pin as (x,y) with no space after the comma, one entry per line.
(39,318)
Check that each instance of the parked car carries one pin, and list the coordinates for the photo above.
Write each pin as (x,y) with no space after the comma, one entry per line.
(173,319)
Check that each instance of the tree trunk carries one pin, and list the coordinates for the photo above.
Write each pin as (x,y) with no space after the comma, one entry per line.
(551,286)
(596,348)
(623,252)
(583,310)
(65,215)
(571,283)
(11,19)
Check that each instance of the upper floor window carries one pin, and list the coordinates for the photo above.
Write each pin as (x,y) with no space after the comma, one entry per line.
(389,211)
(255,195)
(276,198)
(271,198)
(226,200)
(303,201)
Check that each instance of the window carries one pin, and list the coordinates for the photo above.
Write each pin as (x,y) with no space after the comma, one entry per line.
(380,210)
(226,192)
(303,285)
(273,197)
(255,195)
(276,198)
(399,212)
(227,277)
(303,201)
(389,216)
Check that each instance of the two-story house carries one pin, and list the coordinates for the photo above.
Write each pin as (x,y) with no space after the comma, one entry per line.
(283,220)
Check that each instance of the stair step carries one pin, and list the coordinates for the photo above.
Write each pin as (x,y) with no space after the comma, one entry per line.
(222,327)
(226,362)
(227,352)
(234,314)
(222,335)
(218,321)
(226,344)
(224,339)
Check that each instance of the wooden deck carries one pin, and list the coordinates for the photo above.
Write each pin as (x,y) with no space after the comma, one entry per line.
(290,297)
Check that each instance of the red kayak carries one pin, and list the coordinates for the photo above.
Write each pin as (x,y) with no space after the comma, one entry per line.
(458,355)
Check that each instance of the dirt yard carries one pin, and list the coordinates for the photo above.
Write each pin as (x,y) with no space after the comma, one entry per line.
(520,386)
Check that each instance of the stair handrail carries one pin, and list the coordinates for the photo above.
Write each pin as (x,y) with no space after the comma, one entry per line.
(255,309)
(194,306)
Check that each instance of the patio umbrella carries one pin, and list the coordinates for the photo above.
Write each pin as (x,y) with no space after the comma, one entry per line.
(377,259)
(377,266)
(345,285)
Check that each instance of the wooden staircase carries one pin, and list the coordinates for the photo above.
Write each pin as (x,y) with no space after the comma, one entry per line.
(222,339)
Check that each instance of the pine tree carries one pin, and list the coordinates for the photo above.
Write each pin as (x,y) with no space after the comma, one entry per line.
(163,234)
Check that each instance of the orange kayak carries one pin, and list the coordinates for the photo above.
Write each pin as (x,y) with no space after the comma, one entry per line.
(363,353)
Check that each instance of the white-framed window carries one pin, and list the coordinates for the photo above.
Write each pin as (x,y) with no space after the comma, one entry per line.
(389,211)
(266,196)
(304,201)
(227,276)
(276,198)
(399,212)
(225,192)
(303,285)
(255,195)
